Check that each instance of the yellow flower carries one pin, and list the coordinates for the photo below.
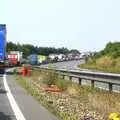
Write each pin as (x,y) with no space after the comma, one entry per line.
(114,116)
(116,119)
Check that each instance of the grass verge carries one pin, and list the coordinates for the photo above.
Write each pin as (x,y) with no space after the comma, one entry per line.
(105,64)
(74,102)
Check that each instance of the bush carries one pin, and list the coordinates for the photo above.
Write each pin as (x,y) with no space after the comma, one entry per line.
(50,77)
(62,84)
(91,60)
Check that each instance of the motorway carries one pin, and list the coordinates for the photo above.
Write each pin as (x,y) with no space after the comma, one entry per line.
(17,104)
(73,65)
(6,112)
(69,65)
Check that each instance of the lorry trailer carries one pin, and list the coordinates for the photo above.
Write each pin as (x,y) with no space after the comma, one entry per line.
(2,47)
(15,58)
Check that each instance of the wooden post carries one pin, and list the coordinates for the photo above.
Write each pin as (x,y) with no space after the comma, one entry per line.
(92,83)
(80,81)
(110,87)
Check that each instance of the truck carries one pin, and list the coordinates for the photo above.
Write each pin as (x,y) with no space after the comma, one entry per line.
(15,58)
(2,47)
(33,59)
(42,59)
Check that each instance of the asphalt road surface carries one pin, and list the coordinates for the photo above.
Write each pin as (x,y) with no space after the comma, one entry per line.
(6,112)
(69,65)
(17,104)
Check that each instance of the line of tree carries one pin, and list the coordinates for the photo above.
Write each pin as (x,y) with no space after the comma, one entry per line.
(28,49)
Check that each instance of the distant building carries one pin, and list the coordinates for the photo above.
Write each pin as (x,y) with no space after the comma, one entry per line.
(73,55)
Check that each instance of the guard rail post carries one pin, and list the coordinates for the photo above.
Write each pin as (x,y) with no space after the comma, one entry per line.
(109,78)
(63,76)
(80,81)
(110,87)
(70,77)
(92,83)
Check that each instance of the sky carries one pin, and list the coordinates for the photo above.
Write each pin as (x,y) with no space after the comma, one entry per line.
(86,25)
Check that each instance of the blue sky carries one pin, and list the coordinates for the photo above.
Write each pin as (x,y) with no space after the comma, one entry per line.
(76,24)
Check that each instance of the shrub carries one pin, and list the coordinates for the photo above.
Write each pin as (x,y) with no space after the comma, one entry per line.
(91,60)
(50,77)
(62,84)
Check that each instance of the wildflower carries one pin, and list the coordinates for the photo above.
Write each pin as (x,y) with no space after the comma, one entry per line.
(114,116)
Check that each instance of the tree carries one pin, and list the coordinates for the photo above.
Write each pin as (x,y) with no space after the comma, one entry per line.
(28,49)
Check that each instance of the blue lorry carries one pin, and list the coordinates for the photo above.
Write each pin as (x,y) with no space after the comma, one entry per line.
(2,47)
(32,59)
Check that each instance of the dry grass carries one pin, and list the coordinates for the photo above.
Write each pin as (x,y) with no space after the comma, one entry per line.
(105,64)
(105,61)
(72,90)
(75,101)
(105,103)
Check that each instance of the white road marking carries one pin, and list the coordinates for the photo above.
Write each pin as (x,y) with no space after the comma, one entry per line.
(15,108)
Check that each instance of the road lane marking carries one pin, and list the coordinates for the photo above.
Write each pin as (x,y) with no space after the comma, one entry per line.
(15,108)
